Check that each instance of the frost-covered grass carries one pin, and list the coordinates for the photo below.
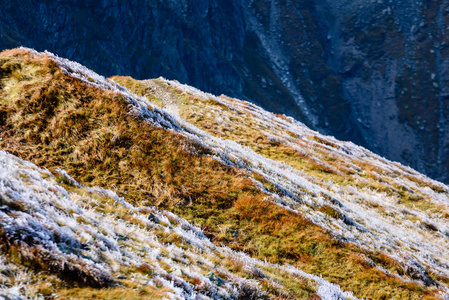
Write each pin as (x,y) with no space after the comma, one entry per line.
(372,202)
(260,203)
(325,156)
(105,241)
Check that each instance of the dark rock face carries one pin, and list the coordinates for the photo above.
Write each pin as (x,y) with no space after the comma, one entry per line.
(392,59)
(375,72)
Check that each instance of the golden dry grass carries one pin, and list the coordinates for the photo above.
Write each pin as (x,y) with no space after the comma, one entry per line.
(322,164)
(147,292)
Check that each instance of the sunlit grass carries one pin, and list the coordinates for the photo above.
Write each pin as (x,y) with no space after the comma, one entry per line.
(54,121)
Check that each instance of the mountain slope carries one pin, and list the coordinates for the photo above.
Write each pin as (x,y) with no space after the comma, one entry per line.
(60,238)
(90,237)
(253,181)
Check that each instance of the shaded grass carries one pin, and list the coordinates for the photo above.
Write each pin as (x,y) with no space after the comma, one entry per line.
(72,270)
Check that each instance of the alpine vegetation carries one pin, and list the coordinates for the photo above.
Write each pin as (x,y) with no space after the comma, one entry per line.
(93,237)
(154,189)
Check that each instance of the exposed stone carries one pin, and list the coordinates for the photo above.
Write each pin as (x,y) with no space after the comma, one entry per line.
(215,279)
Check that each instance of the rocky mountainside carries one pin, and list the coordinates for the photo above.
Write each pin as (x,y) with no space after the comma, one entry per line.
(373,72)
(161,190)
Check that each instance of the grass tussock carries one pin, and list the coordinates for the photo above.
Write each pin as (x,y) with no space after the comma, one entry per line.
(147,292)
(23,252)
(138,88)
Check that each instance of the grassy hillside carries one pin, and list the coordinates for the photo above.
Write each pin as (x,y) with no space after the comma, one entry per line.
(259,184)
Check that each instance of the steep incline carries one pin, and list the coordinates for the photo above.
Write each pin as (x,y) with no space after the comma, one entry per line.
(378,204)
(58,237)
(90,237)
(253,181)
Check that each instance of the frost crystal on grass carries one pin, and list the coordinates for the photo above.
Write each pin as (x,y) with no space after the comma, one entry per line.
(71,233)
